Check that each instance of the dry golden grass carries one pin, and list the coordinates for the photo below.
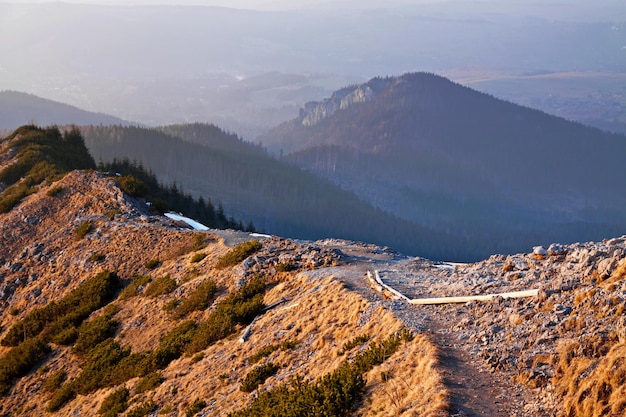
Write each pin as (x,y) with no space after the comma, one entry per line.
(407,384)
(590,372)
(321,316)
(593,387)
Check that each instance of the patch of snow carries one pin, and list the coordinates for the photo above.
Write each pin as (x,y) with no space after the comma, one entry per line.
(260,235)
(449,265)
(194,224)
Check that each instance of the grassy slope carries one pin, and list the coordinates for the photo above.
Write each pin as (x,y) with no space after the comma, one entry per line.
(321,315)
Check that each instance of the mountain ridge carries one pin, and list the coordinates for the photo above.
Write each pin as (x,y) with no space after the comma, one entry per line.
(423,147)
(17,109)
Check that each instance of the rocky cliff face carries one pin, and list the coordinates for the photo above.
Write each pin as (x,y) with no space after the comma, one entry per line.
(315,111)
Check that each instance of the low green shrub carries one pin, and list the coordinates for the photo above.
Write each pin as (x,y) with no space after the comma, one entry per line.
(57,317)
(82,230)
(198,241)
(42,154)
(238,254)
(166,410)
(115,403)
(103,366)
(149,382)
(152,263)
(288,344)
(198,299)
(96,257)
(65,337)
(132,186)
(378,352)
(333,394)
(93,332)
(264,352)
(285,267)
(162,285)
(111,213)
(132,289)
(197,358)
(54,381)
(257,376)
(11,197)
(19,361)
(109,364)
(61,397)
(239,307)
(54,191)
(357,341)
(197,257)
(197,406)
(173,344)
(171,305)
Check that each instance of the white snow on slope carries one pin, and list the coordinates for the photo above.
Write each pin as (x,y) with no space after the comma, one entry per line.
(196,225)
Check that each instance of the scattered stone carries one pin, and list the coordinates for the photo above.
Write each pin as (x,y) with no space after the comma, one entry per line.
(555,250)
(540,252)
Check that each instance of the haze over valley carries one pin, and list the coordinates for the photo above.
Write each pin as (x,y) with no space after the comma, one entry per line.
(247,70)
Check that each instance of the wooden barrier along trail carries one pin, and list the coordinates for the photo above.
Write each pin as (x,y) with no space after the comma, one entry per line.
(378,284)
(468,298)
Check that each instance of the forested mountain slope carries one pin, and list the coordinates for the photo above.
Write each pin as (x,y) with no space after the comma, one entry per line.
(279,199)
(439,154)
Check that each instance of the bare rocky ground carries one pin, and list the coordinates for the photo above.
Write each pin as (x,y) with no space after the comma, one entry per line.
(499,357)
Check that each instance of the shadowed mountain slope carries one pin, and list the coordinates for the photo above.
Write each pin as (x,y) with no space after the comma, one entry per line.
(279,198)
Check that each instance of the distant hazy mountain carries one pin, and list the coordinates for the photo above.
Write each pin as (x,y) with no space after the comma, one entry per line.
(17,109)
(443,155)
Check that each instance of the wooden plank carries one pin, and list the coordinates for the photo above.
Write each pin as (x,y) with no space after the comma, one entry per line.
(271,306)
(379,285)
(373,282)
(395,292)
(246,333)
(466,299)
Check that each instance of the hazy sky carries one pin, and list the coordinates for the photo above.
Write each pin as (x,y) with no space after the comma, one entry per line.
(239,4)
(243,4)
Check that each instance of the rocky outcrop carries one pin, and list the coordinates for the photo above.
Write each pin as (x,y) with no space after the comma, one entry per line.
(280,255)
(315,111)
